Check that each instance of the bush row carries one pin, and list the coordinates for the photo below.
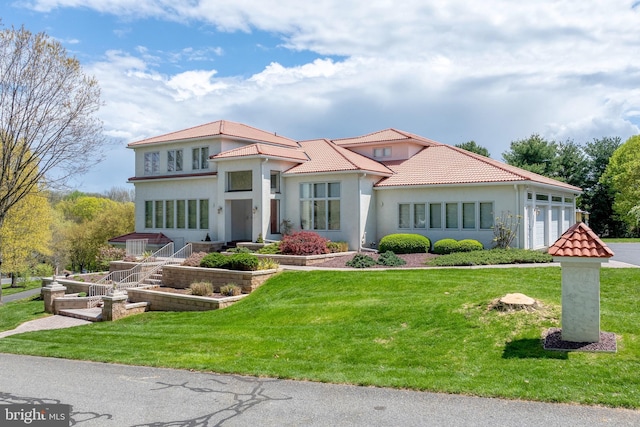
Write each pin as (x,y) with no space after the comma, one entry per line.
(449,246)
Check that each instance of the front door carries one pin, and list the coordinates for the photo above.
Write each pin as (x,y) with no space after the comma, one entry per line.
(241,220)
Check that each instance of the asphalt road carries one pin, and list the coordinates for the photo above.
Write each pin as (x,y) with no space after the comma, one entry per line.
(626,252)
(116,395)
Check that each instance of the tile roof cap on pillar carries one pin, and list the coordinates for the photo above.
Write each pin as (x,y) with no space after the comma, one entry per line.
(580,241)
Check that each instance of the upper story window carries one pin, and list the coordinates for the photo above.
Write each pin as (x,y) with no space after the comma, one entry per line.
(199,158)
(275,182)
(382,152)
(152,163)
(240,181)
(174,160)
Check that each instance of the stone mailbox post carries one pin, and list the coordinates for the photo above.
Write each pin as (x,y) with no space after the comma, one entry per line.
(580,253)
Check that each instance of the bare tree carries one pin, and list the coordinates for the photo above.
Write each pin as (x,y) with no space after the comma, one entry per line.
(48,128)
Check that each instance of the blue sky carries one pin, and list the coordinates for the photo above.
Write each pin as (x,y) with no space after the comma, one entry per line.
(452,71)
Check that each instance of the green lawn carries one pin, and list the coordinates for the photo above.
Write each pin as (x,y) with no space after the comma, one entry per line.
(622,240)
(21,287)
(419,329)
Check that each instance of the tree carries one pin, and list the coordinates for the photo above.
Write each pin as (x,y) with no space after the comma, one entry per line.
(570,164)
(598,197)
(474,148)
(534,154)
(48,128)
(26,234)
(623,176)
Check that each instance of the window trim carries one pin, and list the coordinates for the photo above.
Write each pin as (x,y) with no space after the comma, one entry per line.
(311,205)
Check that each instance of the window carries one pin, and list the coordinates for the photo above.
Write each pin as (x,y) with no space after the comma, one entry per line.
(486,215)
(174,160)
(192,213)
(404,212)
(180,213)
(382,152)
(556,199)
(148,214)
(239,181)
(169,213)
(275,182)
(159,215)
(468,215)
(568,200)
(152,163)
(452,215)
(435,215)
(204,214)
(542,197)
(274,218)
(199,158)
(320,206)
(419,215)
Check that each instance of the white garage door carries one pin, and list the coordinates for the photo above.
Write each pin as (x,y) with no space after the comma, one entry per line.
(554,231)
(538,232)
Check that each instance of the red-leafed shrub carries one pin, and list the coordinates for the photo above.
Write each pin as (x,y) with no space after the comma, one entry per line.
(303,243)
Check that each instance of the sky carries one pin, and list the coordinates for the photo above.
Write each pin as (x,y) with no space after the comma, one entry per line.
(493,72)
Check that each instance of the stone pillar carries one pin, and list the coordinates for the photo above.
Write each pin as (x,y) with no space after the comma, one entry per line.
(581,300)
(49,294)
(114,306)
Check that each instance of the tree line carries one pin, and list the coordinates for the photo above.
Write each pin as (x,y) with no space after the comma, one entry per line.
(607,170)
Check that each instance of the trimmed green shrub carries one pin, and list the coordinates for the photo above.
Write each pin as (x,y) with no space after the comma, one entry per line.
(469,245)
(201,289)
(390,259)
(270,249)
(361,261)
(215,260)
(303,243)
(335,247)
(446,246)
(404,244)
(491,257)
(240,250)
(243,262)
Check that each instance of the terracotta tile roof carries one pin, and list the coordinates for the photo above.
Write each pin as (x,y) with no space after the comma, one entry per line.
(154,238)
(263,150)
(220,127)
(385,136)
(325,156)
(580,241)
(445,164)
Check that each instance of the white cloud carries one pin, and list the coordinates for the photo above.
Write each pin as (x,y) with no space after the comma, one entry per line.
(490,71)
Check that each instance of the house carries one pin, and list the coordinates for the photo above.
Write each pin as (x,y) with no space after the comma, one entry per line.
(233,182)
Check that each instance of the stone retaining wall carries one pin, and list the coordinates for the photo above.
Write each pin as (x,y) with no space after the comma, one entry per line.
(181,277)
(164,301)
(73,286)
(301,260)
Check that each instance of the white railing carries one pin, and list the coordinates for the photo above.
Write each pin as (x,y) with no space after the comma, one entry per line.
(136,247)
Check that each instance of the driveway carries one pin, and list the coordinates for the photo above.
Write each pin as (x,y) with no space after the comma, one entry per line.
(117,395)
(626,252)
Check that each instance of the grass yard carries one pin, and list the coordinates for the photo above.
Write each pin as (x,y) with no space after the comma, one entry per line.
(22,286)
(418,329)
(621,240)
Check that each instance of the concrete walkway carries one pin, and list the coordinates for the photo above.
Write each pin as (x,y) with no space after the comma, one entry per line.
(45,323)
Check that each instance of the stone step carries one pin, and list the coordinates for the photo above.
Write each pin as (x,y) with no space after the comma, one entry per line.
(90,314)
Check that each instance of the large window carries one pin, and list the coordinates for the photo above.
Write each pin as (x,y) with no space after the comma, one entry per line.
(204,214)
(404,218)
(451,215)
(169,213)
(412,215)
(468,215)
(159,217)
(419,215)
(180,213)
(192,213)
(200,158)
(275,182)
(174,160)
(486,215)
(320,206)
(435,215)
(152,163)
(239,181)
(148,214)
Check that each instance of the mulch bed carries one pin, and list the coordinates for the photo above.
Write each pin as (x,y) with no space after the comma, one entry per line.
(412,260)
(553,341)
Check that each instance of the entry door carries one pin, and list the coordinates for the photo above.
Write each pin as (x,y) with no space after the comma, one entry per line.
(241,220)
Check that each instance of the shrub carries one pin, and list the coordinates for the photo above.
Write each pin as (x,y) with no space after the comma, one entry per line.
(446,246)
(405,244)
(469,245)
(390,259)
(335,247)
(201,288)
(491,257)
(230,290)
(268,264)
(270,249)
(303,243)
(194,259)
(82,294)
(106,254)
(240,250)
(243,262)
(42,270)
(361,261)
(215,260)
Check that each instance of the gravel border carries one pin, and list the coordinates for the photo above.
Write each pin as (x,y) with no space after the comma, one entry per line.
(553,341)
